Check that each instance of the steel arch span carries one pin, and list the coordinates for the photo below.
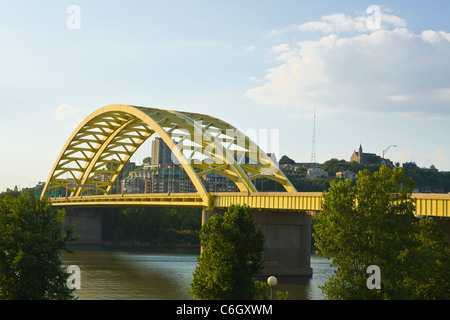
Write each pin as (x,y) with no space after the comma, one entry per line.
(101,145)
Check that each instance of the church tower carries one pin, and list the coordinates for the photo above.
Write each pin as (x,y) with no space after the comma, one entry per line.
(357,156)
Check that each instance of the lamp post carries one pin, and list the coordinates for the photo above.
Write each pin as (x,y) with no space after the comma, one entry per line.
(272,281)
(385,151)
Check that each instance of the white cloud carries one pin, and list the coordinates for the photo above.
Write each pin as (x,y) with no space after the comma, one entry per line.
(63,111)
(280,48)
(335,23)
(433,36)
(340,23)
(399,98)
(254,79)
(274,33)
(382,71)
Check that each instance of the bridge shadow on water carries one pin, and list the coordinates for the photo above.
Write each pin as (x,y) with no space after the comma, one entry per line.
(118,273)
(164,273)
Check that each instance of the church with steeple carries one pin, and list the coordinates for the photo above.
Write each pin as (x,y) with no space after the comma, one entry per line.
(364,158)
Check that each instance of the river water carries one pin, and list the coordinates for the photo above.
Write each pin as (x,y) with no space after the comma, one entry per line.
(163,274)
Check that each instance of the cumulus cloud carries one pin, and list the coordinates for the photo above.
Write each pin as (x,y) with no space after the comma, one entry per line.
(63,111)
(351,68)
(280,48)
(340,23)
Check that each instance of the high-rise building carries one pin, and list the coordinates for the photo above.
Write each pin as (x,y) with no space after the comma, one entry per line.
(174,180)
(161,153)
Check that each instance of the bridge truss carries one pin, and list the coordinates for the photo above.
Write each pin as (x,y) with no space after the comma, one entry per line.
(99,148)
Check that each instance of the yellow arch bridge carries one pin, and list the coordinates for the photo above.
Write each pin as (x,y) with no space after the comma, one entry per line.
(101,145)
(99,148)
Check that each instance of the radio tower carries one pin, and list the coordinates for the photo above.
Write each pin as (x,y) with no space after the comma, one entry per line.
(313,151)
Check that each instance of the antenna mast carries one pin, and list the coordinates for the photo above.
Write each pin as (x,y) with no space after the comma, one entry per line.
(313,151)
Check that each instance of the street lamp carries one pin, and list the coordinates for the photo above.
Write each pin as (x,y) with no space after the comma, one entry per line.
(272,281)
(385,151)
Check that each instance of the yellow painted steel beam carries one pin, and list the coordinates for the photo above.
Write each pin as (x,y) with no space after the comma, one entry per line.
(267,167)
(156,199)
(432,205)
(111,135)
(114,118)
(98,154)
(310,201)
(221,154)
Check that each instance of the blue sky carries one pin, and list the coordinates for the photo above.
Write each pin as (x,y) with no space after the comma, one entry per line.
(260,65)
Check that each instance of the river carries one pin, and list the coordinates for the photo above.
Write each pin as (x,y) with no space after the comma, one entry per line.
(163,274)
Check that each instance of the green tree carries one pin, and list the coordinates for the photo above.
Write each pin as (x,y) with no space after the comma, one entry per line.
(231,256)
(372,223)
(32,236)
(286,160)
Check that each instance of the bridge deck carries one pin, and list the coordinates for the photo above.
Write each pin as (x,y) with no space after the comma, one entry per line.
(437,205)
(145,199)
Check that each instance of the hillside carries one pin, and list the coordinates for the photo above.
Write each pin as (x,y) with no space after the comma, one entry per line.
(428,180)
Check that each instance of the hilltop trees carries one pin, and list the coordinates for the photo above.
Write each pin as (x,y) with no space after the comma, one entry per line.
(31,237)
(372,223)
(286,160)
(427,179)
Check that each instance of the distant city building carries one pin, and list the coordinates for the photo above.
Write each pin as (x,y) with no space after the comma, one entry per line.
(291,165)
(410,165)
(176,181)
(347,174)
(217,183)
(369,158)
(164,181)
(316,173)
(161,153)
(133,185)
(363,158)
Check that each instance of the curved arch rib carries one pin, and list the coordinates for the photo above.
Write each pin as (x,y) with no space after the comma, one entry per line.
(258,165)
(101,145)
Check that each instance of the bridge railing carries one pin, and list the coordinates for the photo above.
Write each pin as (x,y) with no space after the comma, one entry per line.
(311,201)
(432,204)
(145,199)
(435,205)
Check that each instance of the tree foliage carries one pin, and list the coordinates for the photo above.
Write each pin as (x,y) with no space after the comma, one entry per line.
(231,257)
(286,160)
(372,223)
(32,236)
(334,165)
(433,179)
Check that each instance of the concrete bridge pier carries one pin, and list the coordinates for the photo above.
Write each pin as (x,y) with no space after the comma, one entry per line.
(87,224)
(287,249)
